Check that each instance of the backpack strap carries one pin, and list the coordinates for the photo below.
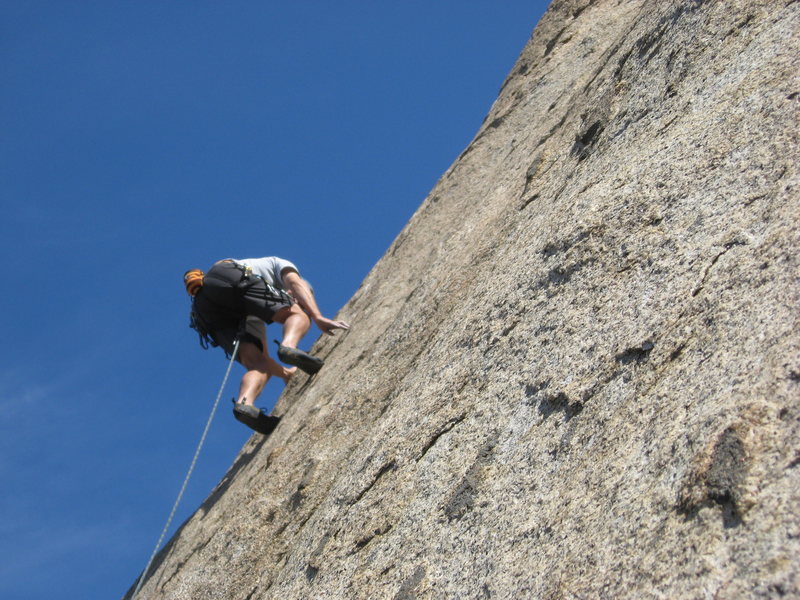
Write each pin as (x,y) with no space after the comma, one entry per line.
(197,323)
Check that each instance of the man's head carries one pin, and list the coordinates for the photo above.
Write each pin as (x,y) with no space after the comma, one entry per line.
(193,280)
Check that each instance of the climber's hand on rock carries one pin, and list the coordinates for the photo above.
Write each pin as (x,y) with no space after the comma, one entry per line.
(328,325)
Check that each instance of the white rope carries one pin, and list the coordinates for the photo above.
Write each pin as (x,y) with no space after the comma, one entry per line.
(188,475)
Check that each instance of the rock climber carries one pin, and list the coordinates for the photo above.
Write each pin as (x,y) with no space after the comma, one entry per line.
(235,299)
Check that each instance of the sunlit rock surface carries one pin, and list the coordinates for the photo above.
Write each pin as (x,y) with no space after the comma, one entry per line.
(576,372)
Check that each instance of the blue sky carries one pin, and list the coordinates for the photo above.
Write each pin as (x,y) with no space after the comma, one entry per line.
(140,139)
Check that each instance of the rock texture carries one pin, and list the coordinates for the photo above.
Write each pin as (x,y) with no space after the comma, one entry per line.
(576,372)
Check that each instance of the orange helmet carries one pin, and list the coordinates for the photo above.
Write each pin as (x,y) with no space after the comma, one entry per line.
(193,280)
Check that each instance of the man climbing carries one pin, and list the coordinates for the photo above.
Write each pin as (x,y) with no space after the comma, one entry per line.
(234,300)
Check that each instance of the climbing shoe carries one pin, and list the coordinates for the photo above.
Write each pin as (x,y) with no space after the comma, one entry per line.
(298,358)
(254,418)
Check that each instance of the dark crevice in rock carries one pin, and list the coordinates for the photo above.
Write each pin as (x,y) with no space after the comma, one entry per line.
(795,461)
(727,465)
(754,199)
(532,389)
(313,567)
(718,481)
(532,170)
(552,43)
(466,151)
(730,512)
(462,499)
(742,24)
(178,569)
(496,122)
(632,121)
(559,276)
(509,329)
(677,352)
(554,248)
(585,141)
(390,466)
(447,427)
(384,406)
(528,201)
(621,64)
(637,354)
(306,518)
(306,384)
(648,42)
(297,498)
(579,11)
(363,542)
(250,595)
(714,261)
(559,402)
(493,124)
(530,175)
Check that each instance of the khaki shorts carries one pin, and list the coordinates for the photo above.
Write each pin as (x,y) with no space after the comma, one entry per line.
(255,332)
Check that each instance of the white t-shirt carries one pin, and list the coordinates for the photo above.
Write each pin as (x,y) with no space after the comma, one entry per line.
(269,268)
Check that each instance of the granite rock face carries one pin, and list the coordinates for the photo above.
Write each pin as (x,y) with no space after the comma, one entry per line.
(576,372)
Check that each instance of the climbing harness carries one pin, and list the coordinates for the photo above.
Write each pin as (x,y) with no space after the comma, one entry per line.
(249,279)
(189,474)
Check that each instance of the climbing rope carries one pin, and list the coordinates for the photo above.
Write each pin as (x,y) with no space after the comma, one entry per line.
(189,474)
